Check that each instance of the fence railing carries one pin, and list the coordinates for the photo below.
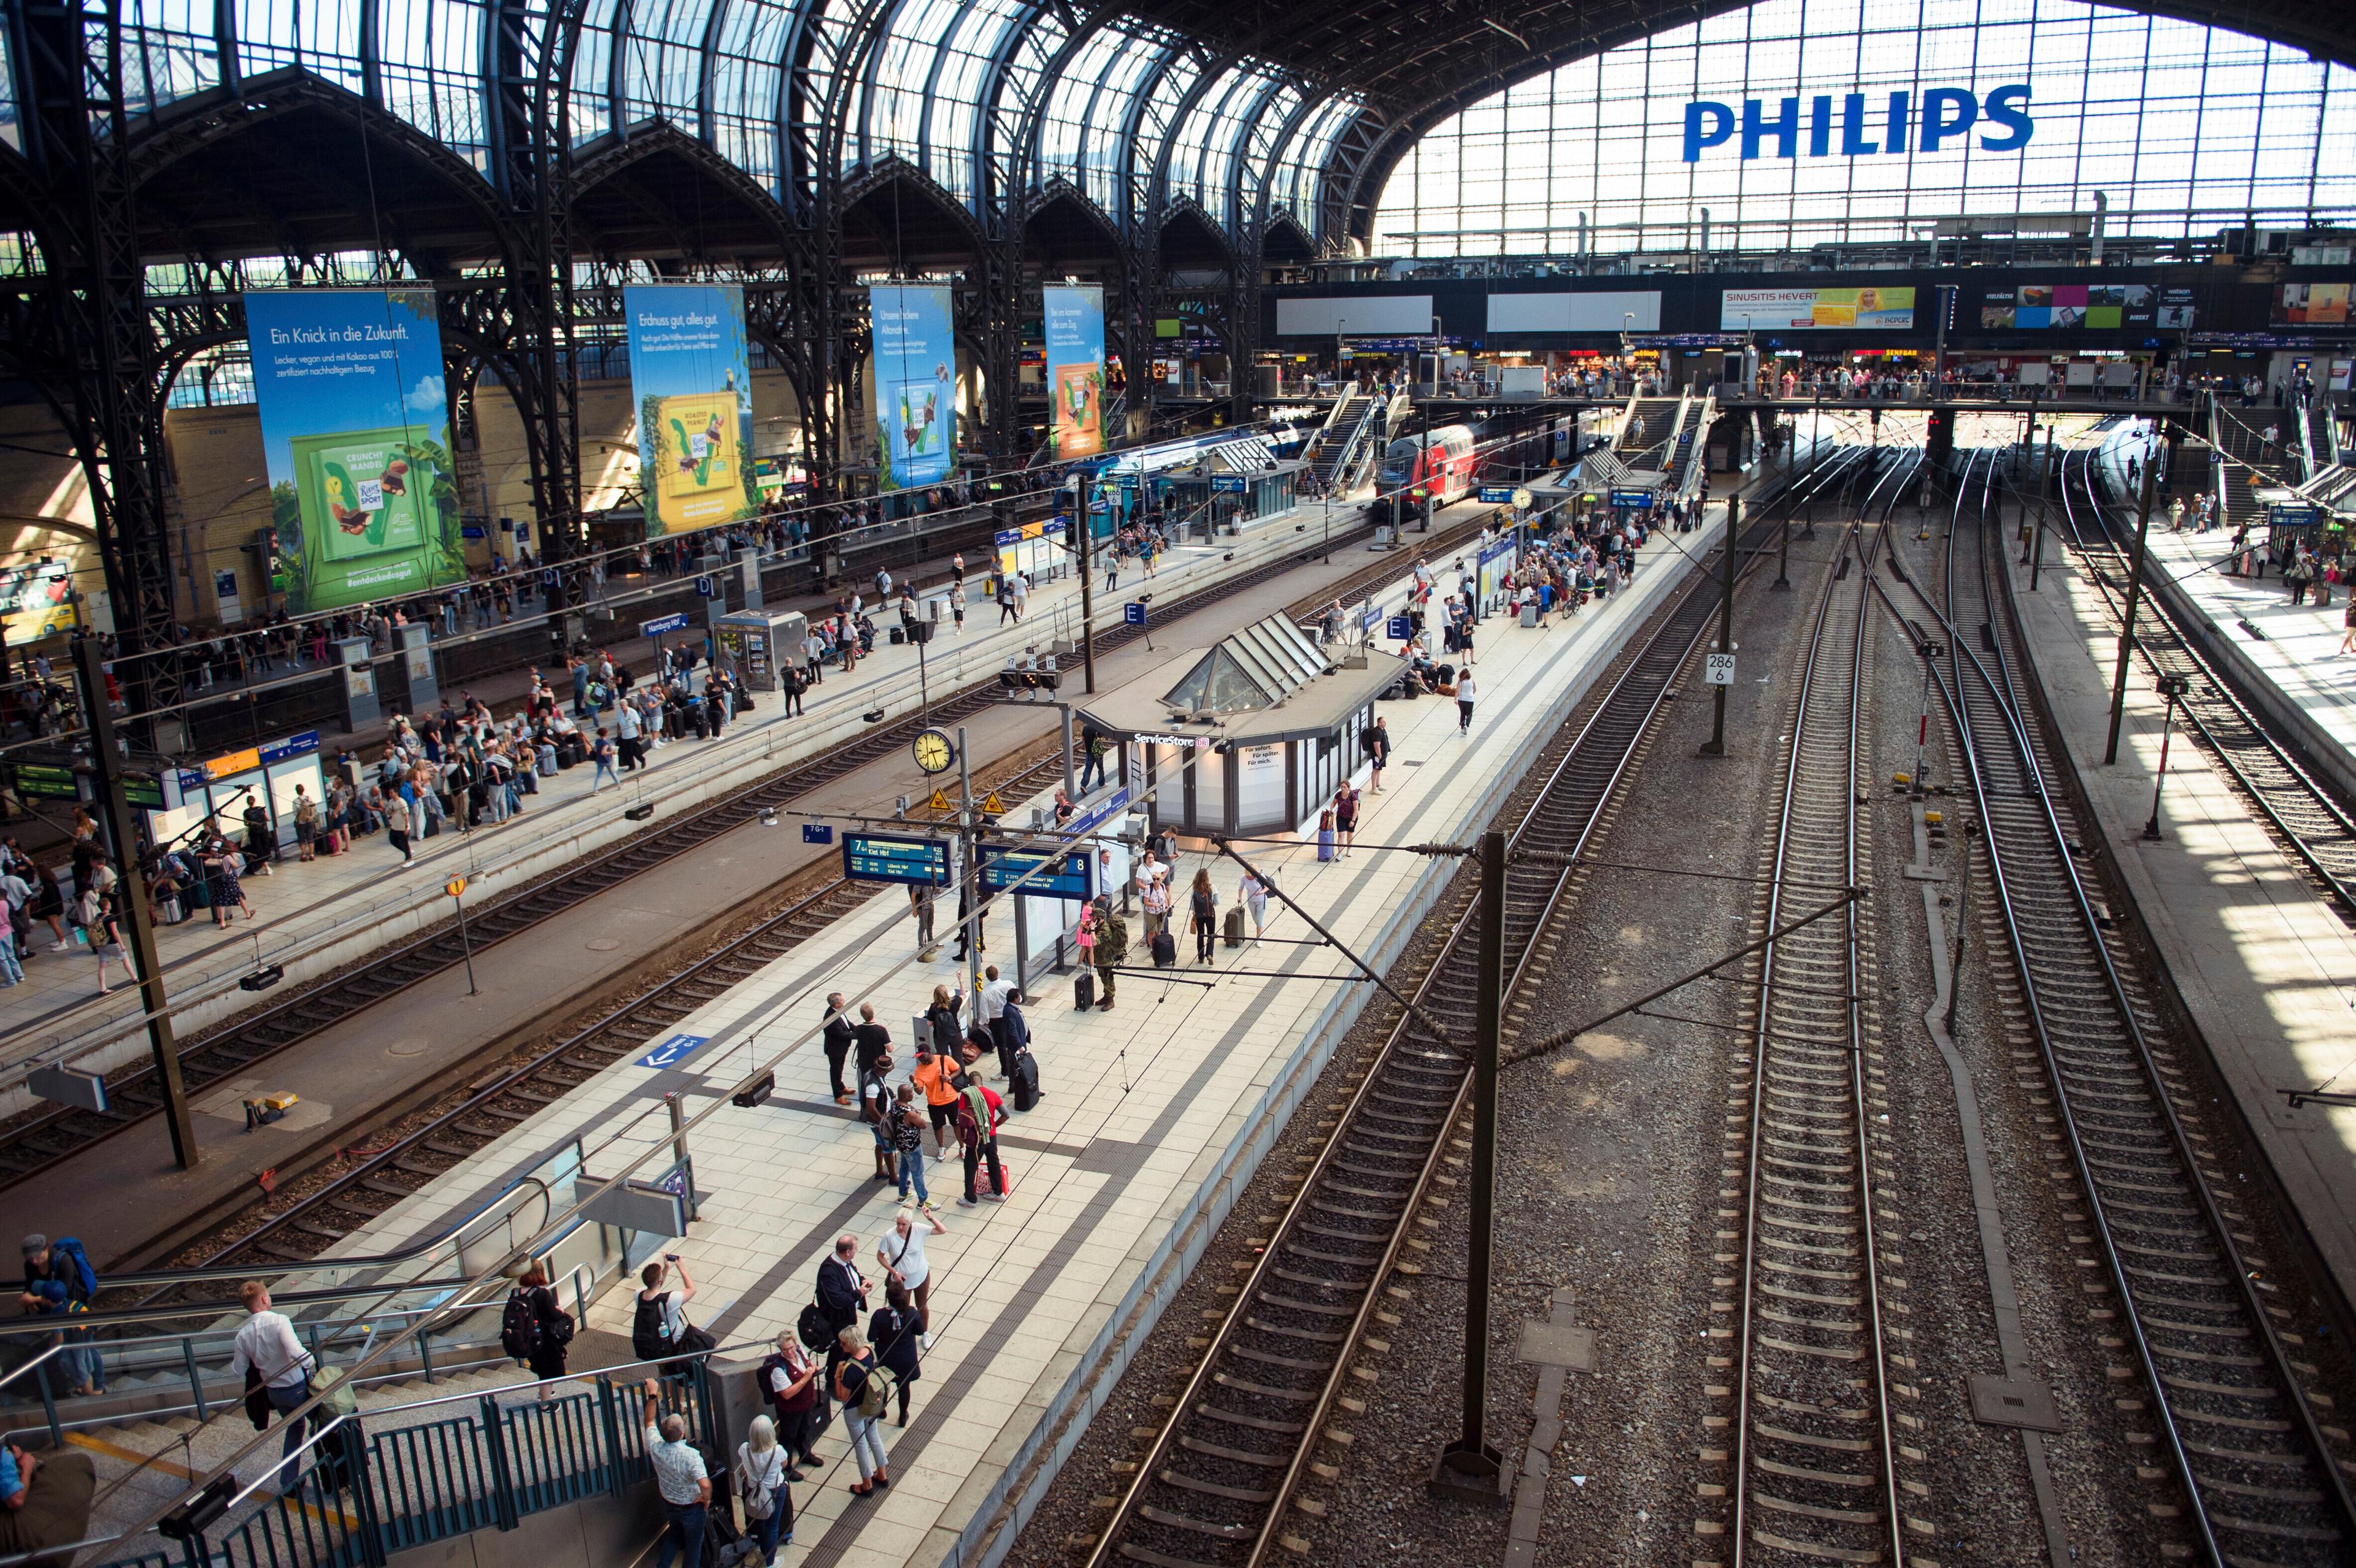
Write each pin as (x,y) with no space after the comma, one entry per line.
(437,1469)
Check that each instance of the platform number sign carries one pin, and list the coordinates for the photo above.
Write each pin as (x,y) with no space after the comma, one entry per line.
(1717,670)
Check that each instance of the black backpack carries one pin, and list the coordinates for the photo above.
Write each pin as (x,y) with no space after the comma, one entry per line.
(650,1329)
(815,1330)
(519,1327)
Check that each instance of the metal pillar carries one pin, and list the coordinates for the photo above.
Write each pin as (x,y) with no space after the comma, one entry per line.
(1084,546)
(969,881)
(2044,480)
(1715,747)
(1471,1467)
(106,768)
(2126,628)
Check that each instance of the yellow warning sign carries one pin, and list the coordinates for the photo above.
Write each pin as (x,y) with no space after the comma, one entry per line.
(991,806)
(454,886)
(940,800)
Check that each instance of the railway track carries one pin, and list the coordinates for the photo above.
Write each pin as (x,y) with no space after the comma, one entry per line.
(2230,1410)
(36,1142)
(1216,1484)
(1813,1442)
(2307,817)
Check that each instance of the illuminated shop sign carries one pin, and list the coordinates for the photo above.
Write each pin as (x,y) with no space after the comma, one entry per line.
(1855,126)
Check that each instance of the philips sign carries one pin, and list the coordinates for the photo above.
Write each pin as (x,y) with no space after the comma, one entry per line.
(1947,115)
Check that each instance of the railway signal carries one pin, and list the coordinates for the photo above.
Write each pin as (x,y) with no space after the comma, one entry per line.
(2172,687)
(455,887)
(1716,745)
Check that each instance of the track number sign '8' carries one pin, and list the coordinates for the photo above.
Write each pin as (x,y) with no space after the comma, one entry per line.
(1717,670)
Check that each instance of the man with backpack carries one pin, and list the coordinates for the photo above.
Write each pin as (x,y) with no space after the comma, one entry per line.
(59,1282)
(534,1329)
(978,1117)
(660,1330)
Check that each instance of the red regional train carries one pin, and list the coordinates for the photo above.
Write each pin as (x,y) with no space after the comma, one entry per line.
(1451,460)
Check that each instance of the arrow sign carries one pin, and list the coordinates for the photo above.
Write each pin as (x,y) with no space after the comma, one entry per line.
(673,1051)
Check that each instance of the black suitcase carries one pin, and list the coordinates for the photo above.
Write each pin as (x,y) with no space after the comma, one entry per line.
(1025,1081)
(1165,949)
(1083,991)
(1235,926)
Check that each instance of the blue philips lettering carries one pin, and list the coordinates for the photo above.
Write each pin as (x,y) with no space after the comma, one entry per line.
(1784,128)
(1940,125)
(1853,142)
(1697,137)
(2001,109)
(1918,119)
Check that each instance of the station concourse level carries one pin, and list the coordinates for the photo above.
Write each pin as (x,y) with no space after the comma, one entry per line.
(994,783)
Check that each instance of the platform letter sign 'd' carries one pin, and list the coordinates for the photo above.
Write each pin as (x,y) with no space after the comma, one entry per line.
(673,1051)
(1717,670)
(1857,126)
(703,588)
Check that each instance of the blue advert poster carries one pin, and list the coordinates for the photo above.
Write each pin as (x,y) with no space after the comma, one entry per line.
(356,440)
(915,382)
(691,381)
(1075,367)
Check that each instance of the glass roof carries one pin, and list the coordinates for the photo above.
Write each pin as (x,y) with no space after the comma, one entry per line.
(973,92)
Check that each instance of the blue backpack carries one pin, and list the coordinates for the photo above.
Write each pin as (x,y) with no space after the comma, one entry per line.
(81,1280)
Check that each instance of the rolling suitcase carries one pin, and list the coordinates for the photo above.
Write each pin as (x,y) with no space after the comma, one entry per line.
(1165,949)
(1084,990)
(1024,1082)
(1235,926)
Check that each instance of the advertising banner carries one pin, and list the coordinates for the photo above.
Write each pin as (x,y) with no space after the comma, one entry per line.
(2311,305)
(2063,307)
(915,383)
(1076,367)
(692,384)
(35,601)
(1803,310)
(356,438)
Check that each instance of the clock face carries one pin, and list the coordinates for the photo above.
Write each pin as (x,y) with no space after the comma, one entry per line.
(933,752)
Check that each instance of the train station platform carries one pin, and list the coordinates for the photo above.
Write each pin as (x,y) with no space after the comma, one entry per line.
(1155,1115)
(2265,968)
(2284,656)
(314,917)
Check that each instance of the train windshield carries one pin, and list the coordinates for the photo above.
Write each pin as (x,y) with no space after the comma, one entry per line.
(1398,465)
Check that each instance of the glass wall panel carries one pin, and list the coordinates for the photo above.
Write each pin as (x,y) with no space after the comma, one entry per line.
(2183,128)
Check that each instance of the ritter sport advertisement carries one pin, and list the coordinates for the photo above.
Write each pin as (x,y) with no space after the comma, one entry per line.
(692,382)
(1076,367)
(356,438)
(915,383)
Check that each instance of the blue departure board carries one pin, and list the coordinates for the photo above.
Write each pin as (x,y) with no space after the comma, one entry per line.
(878,858)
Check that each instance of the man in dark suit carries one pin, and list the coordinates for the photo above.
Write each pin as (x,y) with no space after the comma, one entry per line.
(1013,1033)
(837,1042)
(842,1296)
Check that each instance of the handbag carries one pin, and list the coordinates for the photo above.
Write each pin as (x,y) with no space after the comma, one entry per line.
(693,1339)
(257,1400)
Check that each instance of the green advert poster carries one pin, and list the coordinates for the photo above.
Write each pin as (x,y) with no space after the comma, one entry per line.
(356,430)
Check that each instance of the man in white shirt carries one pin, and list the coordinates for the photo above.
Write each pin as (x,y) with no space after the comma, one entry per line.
(901,1251)
(267,1345)
(681,1481)
(991,1008)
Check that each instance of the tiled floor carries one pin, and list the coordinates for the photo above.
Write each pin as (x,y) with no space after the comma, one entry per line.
(1147,1109)
(298,903)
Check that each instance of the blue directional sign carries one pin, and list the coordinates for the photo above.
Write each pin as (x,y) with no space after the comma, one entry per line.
(674,1051)
(817,833)
(1132,614)
(1632,497)
(703,588)
(1398,629)
(883,858)
(1497,495)
(1228,483)
(1002,868)
(675,622)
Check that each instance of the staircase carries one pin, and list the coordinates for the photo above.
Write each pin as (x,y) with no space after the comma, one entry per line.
(1651,424)
(1329,445)
(1685,465)
(2234,469)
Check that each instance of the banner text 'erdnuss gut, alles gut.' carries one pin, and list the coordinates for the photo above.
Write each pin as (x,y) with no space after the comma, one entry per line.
(1853,127)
